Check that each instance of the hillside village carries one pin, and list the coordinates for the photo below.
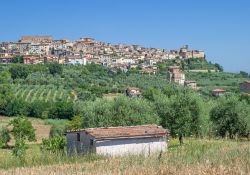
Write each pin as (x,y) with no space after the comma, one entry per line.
(41,49)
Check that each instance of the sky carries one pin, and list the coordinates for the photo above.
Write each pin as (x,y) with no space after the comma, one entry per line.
(219,27)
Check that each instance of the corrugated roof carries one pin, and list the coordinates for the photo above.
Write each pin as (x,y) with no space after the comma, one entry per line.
(140,131)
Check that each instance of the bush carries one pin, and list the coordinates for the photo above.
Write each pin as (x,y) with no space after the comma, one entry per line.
(57,130)
(231,117)
(122,111)
(4,137)
(19,71)
(54,144)
(55,68)
(61,110)
(36,109)
(17,107)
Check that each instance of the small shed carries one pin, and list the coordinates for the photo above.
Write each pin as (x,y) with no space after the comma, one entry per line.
(191,84)
(218,92)
(245,86)
(133,92)
(143,139)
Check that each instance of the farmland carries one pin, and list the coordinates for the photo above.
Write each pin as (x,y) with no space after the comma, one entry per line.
(195,157)
(45,93)
(94,96)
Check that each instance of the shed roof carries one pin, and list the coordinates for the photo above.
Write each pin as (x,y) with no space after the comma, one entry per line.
(218,90)
(111,133)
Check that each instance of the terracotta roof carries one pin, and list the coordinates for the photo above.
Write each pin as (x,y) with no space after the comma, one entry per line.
(133,88)
(218,90)
(110,133)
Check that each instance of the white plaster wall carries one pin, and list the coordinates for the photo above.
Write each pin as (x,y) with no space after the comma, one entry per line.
(131,146)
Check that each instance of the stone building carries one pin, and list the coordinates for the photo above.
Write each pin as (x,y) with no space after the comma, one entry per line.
(36,39)
(133,92)
(176,75)
(245,87)
(218,92)
(191,84)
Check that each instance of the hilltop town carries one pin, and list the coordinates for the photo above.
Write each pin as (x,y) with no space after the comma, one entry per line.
(41,49)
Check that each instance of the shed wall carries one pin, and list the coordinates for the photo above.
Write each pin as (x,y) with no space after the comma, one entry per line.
(144,146)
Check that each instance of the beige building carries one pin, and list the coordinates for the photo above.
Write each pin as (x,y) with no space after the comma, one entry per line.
(191,84)
(176,75)
(133,92)
(36,39)
(218,92)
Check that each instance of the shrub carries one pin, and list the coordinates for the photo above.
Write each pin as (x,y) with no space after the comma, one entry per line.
(4,137)
(54,144)
(17,107)
(61,110)
(19,71)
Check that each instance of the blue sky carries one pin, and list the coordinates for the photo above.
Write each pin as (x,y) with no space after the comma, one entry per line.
(220,27)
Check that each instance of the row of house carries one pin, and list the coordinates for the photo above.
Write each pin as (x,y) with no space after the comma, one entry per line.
(111,55)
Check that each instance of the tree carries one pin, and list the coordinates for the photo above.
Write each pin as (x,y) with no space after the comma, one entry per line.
(4,137)
(151,93)
(244,74)
(36,109)
(231,117)
(54,144)
(17,59)
(75,123)
(219,67)
(19,71)
(22,130)
(61,110)
(6,96)
(123,111)
(55,68)
(181,114)
(16,107)
(5,77)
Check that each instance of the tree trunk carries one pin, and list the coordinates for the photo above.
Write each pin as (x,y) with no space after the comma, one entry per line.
(248,136)
(181,140)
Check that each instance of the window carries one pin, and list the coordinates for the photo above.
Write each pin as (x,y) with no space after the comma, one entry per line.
(91,142)
(78,136)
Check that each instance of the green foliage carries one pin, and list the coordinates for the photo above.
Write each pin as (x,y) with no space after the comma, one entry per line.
(4,137)
(231,117)
(219,67)
(56,131)
(6,95)
(61,110)
(22,129)
(151,93)
(19,71)
(19,149)
(122,111)
(244,74)
(54,144)
(17,59)
(16,107)
(75,123)
(55,68)
(5,77)
(180,113)
(36,109)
